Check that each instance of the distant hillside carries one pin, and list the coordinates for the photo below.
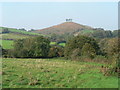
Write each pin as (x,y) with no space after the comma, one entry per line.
(66,27)
(14,30)
(13,33)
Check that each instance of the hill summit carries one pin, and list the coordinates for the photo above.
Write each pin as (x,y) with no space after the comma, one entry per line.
(66,27)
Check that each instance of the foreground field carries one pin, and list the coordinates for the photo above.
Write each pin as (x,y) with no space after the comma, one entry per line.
(51,73)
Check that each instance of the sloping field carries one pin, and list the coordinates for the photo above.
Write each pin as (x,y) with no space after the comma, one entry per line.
(6,44)
(54,73)
(13,36)
(13,30)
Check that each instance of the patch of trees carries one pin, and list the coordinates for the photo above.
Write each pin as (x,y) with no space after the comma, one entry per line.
(87,49)
(81,46)
(116,33)
(31,30)
(56,51)
(102,34)
(5,30)
(37,47)
(111,49)
(22,29)
(60,38)
(3,52)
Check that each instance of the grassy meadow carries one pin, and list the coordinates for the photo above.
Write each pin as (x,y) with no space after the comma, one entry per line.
(13,30)
(7,44)
(54,73)
(14,36)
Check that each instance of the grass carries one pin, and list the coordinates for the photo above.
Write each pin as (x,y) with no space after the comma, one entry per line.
(54,73)
(20,31)
(62,44)
(14,36)
(53,43)
(6,44)
(87,31)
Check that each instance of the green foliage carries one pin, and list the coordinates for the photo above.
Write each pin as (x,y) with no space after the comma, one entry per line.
(54,73)
(1,50)
(77,43)
(111,49)
(88,50)
(56,51)
(115,33)
(102,34)
(31,47)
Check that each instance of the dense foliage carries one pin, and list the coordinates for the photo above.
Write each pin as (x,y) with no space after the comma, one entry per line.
(31,47)
(75,46)
(56,51)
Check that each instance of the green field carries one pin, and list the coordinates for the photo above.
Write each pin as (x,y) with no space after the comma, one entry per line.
(62,44)
(54,73)
(53,43)
(6,44)
(13,36)
(19,31)
(87,31)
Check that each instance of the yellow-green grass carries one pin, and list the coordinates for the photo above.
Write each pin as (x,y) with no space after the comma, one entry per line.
(54,73)
(13,36)
(19,31)
(87,31)
(53,43)
(6,44)
(62,44)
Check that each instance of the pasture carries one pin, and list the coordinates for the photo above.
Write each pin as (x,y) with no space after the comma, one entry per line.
(87,31)
(54,73)
(14,36)
(6,44)
(13,30)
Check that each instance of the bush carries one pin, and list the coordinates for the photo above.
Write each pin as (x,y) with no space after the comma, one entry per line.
(56,51)
(74,46)
(31,47)
(88,50)
(101,59)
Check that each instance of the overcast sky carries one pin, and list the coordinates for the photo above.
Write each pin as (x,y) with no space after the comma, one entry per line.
(40,15)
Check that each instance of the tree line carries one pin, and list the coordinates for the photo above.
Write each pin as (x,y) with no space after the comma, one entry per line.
(81,48)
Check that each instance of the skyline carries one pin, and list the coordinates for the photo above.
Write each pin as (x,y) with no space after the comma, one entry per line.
(45,14)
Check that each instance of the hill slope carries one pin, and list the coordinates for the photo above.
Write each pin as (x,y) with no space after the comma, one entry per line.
(66,27)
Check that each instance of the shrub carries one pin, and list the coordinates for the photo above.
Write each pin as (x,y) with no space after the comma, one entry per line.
(88,50)
(56,51)
(77,43)
(31,47)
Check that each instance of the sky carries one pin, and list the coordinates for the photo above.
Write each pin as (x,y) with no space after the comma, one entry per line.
(38,15)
